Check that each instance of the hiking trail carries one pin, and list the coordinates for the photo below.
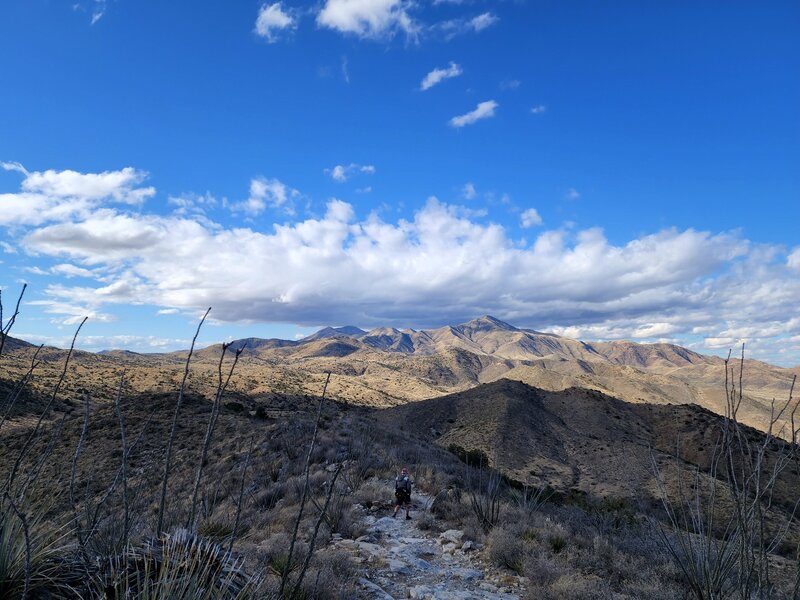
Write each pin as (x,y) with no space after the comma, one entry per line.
(404,561)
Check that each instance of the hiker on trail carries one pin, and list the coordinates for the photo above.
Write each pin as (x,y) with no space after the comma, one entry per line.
(402,492)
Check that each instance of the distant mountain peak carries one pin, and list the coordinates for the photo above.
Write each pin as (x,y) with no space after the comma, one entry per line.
(329,332)
(488,321)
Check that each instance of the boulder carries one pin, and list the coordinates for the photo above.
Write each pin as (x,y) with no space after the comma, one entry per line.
(452,536)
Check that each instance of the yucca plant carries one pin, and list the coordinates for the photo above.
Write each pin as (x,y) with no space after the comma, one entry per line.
(179,566)
(30,556)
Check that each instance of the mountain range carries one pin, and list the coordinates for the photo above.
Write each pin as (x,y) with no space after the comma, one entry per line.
(388,367)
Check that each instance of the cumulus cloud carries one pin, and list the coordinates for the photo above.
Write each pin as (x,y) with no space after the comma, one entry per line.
(793,259)
(70,314)
(118,185)
(539,109)
(311,271)
(441,265)
(62,195)
(272,20)
(439,75)
(530,218)
(342,173)
(572,194)
(267,193)
(367,18)
(67,270)
(96,343)
(484,110)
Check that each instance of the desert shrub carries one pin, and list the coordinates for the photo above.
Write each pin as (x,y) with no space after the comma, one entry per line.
(575,586)
(266,499)
(542,570)
(649,584)
(557,543)
(340,516)
(528,499)
(332,577)
(427,522)
(473,457)
(506,549)
(448,505)
(374,493)
(215,530)
(486,495)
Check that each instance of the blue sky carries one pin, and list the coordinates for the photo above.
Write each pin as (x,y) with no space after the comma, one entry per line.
(604,171)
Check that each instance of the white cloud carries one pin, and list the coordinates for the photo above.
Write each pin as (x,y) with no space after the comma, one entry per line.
(71,314)
(483,21)
(342,173)
(267,193)
(63,195)
(367,18)
(68,271)
(117,185)
(793,260)
(722,342)
(272,20)
(98,11)
(345,70)
(469,192)
(484,110)
(444,264)
(655,330)
(8,248)
(454,27)
(530,218)
(321,270)
(539,109)
(13,166)
(96,343)
(439,75)
(572,194)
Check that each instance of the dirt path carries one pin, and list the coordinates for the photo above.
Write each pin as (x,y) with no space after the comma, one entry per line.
(403,561)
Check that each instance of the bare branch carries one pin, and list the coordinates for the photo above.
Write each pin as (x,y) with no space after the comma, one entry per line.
(241,495)
(168,457)
(5,329)
(312,543)
(20,385)
(125,507)
(29,440)
(304,497)
(78,448)
(212,422)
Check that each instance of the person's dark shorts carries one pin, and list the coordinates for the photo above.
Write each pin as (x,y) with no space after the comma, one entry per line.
(402,497)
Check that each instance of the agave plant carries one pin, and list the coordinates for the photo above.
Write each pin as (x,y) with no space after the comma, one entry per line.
(31,562)
(178,566)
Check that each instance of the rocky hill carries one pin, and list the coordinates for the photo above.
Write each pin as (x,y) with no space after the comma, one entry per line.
(388,367)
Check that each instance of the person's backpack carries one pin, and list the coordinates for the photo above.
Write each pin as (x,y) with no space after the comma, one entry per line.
(403,483)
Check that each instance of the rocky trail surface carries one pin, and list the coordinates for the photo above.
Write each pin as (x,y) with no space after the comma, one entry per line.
(404,561)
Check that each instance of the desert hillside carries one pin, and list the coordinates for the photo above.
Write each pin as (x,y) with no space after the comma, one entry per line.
(389,367)
(527,464)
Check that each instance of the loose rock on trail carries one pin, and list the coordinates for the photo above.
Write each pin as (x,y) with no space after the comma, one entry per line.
(403,561)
